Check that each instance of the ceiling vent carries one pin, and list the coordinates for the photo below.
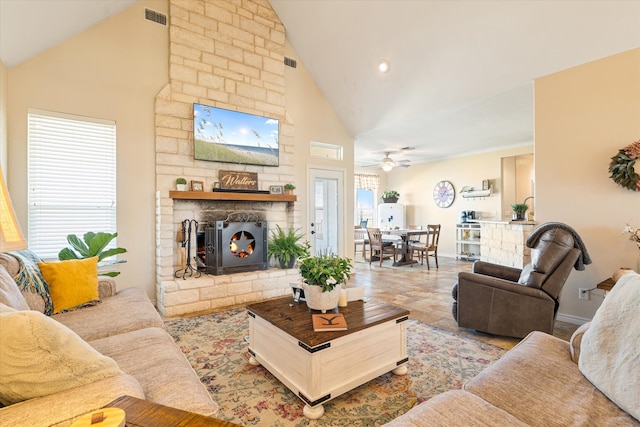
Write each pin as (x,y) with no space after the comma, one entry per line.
(152,15)
(290,62)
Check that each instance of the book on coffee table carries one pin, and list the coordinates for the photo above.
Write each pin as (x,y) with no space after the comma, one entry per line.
(329,322)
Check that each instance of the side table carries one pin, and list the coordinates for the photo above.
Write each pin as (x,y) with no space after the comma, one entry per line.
(143,413)
(606,285)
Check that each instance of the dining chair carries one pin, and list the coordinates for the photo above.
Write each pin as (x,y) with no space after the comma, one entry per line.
(376,244)
(415,239)
(430,247)
(361,238)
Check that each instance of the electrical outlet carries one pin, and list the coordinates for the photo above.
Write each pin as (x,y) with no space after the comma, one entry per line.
(583,293)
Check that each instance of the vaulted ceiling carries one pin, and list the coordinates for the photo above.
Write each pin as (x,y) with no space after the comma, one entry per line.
(461,76)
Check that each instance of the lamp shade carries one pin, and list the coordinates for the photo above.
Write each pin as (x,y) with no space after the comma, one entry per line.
(10,235)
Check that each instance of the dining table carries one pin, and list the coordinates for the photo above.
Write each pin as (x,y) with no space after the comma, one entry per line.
(404,236)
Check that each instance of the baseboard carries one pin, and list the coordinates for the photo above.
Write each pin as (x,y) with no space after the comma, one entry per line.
(574,320)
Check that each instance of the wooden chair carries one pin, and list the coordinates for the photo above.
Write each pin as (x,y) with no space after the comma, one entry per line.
(361,238)
(430,247)
(415,227)
(376,244)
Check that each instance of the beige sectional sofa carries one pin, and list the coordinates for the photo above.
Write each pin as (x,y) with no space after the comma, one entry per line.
(545,381)
(125,327)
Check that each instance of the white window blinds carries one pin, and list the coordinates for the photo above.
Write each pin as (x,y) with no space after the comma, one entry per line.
(72,179)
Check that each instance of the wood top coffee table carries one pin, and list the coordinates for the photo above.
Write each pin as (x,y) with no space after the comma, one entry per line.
(318,366)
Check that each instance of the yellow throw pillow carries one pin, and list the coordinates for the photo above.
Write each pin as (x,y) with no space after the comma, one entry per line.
(72,283)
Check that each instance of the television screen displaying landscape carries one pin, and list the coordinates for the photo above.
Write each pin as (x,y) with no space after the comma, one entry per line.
(228,136)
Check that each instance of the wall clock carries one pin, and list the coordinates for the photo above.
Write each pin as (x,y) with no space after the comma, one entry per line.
(444,194)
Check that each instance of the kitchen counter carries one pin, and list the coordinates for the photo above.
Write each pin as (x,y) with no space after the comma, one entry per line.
(503,242)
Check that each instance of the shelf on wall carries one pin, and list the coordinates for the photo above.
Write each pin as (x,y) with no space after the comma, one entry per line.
(231,196)
(476,193)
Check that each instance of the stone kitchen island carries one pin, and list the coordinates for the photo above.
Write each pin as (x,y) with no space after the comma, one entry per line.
(504,242)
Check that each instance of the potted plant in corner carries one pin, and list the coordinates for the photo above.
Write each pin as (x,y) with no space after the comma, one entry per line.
(288,188)
(323,277)
(286,246)
(93,245)
(390,196)
(518,211)
(181,184)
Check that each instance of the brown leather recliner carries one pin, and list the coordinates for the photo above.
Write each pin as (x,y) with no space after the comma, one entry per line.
(512,302)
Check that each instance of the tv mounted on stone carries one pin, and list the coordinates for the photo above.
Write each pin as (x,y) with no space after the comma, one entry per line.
(229,136)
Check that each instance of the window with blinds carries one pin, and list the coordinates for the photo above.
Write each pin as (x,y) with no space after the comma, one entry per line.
(72,179)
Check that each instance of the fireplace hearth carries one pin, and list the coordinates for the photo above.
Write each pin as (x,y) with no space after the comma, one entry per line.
(233,247)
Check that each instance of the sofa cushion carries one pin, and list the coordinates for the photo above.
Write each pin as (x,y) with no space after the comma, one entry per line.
(10,295)
(72,283)
(39,357)
(576,341)
(128,310)
(158,364)
(455,408)
(61,408)
(538,383)
(610,351)
(30,281)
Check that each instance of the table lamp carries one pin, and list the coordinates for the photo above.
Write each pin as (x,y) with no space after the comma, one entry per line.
(10,235)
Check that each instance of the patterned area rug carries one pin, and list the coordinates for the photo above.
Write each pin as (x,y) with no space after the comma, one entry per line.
(250,396)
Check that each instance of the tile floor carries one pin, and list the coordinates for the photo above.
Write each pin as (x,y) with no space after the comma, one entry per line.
(427,294)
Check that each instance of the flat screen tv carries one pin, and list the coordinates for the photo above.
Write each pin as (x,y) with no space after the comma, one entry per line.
(228,136)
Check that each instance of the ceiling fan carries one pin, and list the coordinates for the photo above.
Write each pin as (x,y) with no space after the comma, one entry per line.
(388,163)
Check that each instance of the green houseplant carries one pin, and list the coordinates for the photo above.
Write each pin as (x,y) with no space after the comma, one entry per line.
(390,196)
(287,247)
(181,184)
(326,271)
(323,277)
(288,188)
(519,209)
(92,245)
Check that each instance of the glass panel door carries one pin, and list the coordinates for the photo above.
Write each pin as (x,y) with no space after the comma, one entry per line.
(325,211)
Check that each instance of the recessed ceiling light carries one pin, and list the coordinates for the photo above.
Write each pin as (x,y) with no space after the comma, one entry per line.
(384,66)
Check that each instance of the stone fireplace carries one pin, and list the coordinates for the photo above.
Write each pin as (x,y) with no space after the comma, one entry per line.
(228,55)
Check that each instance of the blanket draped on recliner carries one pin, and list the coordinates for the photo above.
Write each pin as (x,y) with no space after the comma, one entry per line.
(584,257)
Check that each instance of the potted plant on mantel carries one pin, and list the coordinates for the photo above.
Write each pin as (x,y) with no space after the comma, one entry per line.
(323,277)
(288,188)
(181,184)
(518,210)
(390,196)
(286,246)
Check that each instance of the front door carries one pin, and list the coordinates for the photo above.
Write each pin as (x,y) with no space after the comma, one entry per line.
(326,209)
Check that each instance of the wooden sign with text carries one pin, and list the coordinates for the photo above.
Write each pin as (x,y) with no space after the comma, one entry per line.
(232,180)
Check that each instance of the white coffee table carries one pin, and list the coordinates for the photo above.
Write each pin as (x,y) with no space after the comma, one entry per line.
(319,366)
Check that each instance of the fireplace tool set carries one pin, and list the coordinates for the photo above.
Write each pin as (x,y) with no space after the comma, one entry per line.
(184,237)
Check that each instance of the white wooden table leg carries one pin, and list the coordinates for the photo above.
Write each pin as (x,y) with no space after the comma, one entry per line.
(313,413)
(400,370)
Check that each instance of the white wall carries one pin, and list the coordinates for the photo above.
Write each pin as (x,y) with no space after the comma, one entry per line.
(112,71)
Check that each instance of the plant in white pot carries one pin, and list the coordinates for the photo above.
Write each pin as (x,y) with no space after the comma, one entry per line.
(324,276)
(181,184)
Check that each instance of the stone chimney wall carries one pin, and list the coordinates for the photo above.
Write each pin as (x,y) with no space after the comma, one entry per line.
(227,54)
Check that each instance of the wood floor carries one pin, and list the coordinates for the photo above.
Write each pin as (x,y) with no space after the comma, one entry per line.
(427,294)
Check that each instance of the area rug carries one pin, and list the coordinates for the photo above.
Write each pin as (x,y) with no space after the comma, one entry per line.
(249,395)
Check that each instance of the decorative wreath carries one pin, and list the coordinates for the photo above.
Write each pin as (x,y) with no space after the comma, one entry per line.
(622,167)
